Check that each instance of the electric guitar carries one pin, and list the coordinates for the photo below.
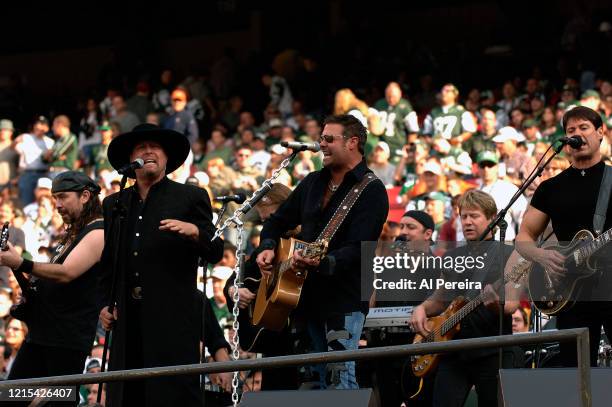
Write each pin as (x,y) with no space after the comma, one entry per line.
(21,309)
(554,292)
(446,325)
(279,293)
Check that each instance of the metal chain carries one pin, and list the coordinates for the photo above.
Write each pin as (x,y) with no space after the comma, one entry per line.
(235,218)
(234,340)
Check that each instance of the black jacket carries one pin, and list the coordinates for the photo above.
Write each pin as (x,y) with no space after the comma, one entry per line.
(336,287)
(167,267)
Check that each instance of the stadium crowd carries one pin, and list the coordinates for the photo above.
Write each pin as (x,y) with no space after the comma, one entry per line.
(428,146)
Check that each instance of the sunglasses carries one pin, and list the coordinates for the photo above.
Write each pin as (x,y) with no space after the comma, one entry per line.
(487,164)
(329,138)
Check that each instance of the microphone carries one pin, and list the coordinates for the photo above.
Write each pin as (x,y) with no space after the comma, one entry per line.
(134,165)
(296,145)
(238,198)
(574,142)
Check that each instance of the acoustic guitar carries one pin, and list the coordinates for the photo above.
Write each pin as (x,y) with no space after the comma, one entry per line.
(446,325)
(279,293)
(552,292)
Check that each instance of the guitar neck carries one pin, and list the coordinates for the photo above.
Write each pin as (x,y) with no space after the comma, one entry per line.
(466,310)
(596,244)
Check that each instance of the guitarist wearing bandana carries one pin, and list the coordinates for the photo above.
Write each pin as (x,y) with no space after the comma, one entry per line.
(61,305)
(458,372)
(569,202)
(331,301)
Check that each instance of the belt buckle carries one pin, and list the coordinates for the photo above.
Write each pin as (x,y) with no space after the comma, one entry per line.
(137,293)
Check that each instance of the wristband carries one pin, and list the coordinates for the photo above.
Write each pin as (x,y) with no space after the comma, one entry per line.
(25,267)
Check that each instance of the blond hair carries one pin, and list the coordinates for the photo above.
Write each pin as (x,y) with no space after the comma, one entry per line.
(475,199)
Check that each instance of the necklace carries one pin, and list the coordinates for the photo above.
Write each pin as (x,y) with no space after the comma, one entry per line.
(332,187)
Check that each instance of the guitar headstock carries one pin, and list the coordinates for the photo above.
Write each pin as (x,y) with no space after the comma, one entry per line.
(4,236)
(315,250)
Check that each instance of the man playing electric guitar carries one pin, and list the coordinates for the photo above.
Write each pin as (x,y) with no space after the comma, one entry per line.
(331,301)
(458,372)
(569,201)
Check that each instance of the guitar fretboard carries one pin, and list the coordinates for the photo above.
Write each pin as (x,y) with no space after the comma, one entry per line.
(590,249)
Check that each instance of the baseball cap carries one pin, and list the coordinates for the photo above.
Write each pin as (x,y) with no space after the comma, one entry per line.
(259,136)
(221,272)
(6,124)
(42,120)
(105,125)
(384,146)
(590,94)
(529,123)
(202,177)
(432,167)
(278,149)
(274,122)
(508,133)
(489,156)
(437,196)
(44,182)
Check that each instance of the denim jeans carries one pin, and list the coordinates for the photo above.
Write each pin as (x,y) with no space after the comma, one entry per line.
(341,332)
(27,183)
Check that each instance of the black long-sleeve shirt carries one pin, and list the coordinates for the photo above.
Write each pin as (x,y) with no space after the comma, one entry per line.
(336,286)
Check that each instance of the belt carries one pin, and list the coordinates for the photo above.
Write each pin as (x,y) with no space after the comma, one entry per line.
(137,293)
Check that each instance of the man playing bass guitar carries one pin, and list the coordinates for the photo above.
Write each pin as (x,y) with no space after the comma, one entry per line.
(569,201)
(458,372)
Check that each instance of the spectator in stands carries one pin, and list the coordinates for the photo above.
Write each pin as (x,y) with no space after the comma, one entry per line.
(98,158)
(43,187)
(16,332)
(280,94)
(277,154)
(30,147)
(380,165)
(512,158)
(4,350)
(591,99)
(180,118)
(126,119)
(516,118)
(88,133)
(520,321)
(16,237)
(483,139)
(246,180)
(398,118)
(218,146)
(140,104)
(161,98)
(219,276)
(9,159)
(303,166)
(501,191)
(450,120)
(221,177)
(260,158)
(41,231)
(65,152)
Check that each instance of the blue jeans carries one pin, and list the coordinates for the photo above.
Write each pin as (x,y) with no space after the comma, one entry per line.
(341,332)
(27,183)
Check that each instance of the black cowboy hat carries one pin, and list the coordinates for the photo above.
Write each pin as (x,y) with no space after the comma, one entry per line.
(175,145)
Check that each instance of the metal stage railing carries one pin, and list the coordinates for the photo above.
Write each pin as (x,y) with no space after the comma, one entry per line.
(580,335)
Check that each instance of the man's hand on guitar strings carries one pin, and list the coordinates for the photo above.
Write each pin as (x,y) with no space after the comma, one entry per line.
(490,296)
(246,296)
(264,261)
(10,258)
(552,261)
(299,262)
(418,321)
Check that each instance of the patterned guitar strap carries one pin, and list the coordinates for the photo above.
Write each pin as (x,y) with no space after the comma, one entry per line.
(345,206)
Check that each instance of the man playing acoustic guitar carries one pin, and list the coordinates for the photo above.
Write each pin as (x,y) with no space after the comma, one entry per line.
(569,201)
(458,372)
(331,298)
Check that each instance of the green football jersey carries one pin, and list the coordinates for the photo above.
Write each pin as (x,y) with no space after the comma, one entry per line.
(448,122)
(399,121)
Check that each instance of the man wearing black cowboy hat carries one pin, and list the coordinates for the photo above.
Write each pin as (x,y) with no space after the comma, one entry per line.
(168,227)
(62,312)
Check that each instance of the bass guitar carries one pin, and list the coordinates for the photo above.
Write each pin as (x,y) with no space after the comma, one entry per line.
(279,293)
(21,309)
(446,325)
(554,292)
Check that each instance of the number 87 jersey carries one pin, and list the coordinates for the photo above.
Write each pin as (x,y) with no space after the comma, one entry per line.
(448,122)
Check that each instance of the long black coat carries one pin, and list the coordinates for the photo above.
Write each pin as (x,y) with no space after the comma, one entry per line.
(167,264)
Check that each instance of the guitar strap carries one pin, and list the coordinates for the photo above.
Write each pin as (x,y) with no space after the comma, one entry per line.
(599,218)
(345,206)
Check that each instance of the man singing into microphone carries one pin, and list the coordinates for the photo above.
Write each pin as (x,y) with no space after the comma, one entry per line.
(62,313)
(168,228)
(569,200)
(331,301)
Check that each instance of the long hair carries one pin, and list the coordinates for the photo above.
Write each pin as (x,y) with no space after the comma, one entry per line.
(92,209)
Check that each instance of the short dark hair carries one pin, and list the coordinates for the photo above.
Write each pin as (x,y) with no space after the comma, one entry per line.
(584,113)
(352,128)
